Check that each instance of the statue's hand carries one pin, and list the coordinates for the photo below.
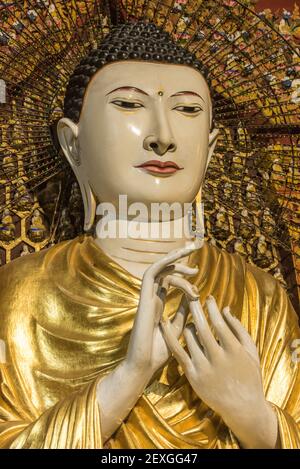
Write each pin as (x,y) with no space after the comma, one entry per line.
(147,350)
(226,374)
(119,390)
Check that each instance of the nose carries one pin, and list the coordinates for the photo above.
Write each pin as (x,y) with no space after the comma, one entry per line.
(160,147)
(161,141)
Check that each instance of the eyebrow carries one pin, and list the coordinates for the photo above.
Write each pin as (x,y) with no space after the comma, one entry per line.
(133,88)
(130,88)
(192,93)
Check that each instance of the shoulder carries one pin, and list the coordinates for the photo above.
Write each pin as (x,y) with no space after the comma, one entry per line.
(24,272)
(25,263)
(252,273)
(262,278)
(271,297)
(217,264)
(278,296)
(216,255)
(241,283)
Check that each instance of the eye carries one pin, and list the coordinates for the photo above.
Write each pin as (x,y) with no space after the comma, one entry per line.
(127,104)
(189,109)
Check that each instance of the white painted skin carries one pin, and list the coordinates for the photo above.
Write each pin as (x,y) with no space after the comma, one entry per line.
(110,140)
(103,150)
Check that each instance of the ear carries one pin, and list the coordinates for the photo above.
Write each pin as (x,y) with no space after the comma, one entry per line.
(67,132)
(212,141)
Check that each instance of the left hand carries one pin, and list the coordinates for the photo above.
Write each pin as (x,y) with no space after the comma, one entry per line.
(226,374)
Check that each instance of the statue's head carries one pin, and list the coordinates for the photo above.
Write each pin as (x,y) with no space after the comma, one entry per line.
(138,98)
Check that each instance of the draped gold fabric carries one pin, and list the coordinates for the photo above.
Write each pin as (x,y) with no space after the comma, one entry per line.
(66,316)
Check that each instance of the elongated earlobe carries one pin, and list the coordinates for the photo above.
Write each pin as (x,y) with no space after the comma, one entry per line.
(199,211)
(89,203)
(213,138)
(67,133)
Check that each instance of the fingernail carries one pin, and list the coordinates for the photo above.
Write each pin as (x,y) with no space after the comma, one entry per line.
(195,290)
(194,298)
(209,298)
(226,310)
(197,309)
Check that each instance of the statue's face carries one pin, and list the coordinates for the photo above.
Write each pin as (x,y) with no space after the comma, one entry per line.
(136,117)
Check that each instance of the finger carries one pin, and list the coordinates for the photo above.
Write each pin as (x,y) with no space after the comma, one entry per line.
(178,269)
(225,335)
(182,284)
(172,256)
(179,320)
(240,332)
(194,347)
(206,337)
(150,312)
(173,269)
(179,353)
(146,321)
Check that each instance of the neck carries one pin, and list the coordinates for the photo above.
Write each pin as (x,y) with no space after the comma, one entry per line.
(143,243)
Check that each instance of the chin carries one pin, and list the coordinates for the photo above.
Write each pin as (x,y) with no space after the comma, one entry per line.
(172,195)
(160,197)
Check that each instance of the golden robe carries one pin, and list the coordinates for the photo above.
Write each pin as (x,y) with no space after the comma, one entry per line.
(66,316)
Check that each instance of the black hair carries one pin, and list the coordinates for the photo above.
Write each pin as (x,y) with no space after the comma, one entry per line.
(130,41)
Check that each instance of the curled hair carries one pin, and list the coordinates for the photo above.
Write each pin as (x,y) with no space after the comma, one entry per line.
(130,41)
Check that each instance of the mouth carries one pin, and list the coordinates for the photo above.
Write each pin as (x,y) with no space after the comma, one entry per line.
(159,167)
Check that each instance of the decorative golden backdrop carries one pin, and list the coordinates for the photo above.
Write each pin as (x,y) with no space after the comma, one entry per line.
(251,192)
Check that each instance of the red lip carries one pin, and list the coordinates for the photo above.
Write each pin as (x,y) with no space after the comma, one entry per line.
(160,167)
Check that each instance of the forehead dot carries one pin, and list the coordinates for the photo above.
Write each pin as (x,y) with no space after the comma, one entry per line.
(160,93)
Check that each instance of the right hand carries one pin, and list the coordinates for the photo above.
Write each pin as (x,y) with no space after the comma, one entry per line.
(147,349)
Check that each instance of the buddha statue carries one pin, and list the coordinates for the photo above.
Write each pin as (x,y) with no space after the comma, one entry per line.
(227,190)
(209,201)
(9,166)
(37,230)
(22,197)
(66,226)
(263,252)
(245,228)
(252,201)
(25,251)
(7,227)
(221,227)
(239,246)
(268,222)
(143,341)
